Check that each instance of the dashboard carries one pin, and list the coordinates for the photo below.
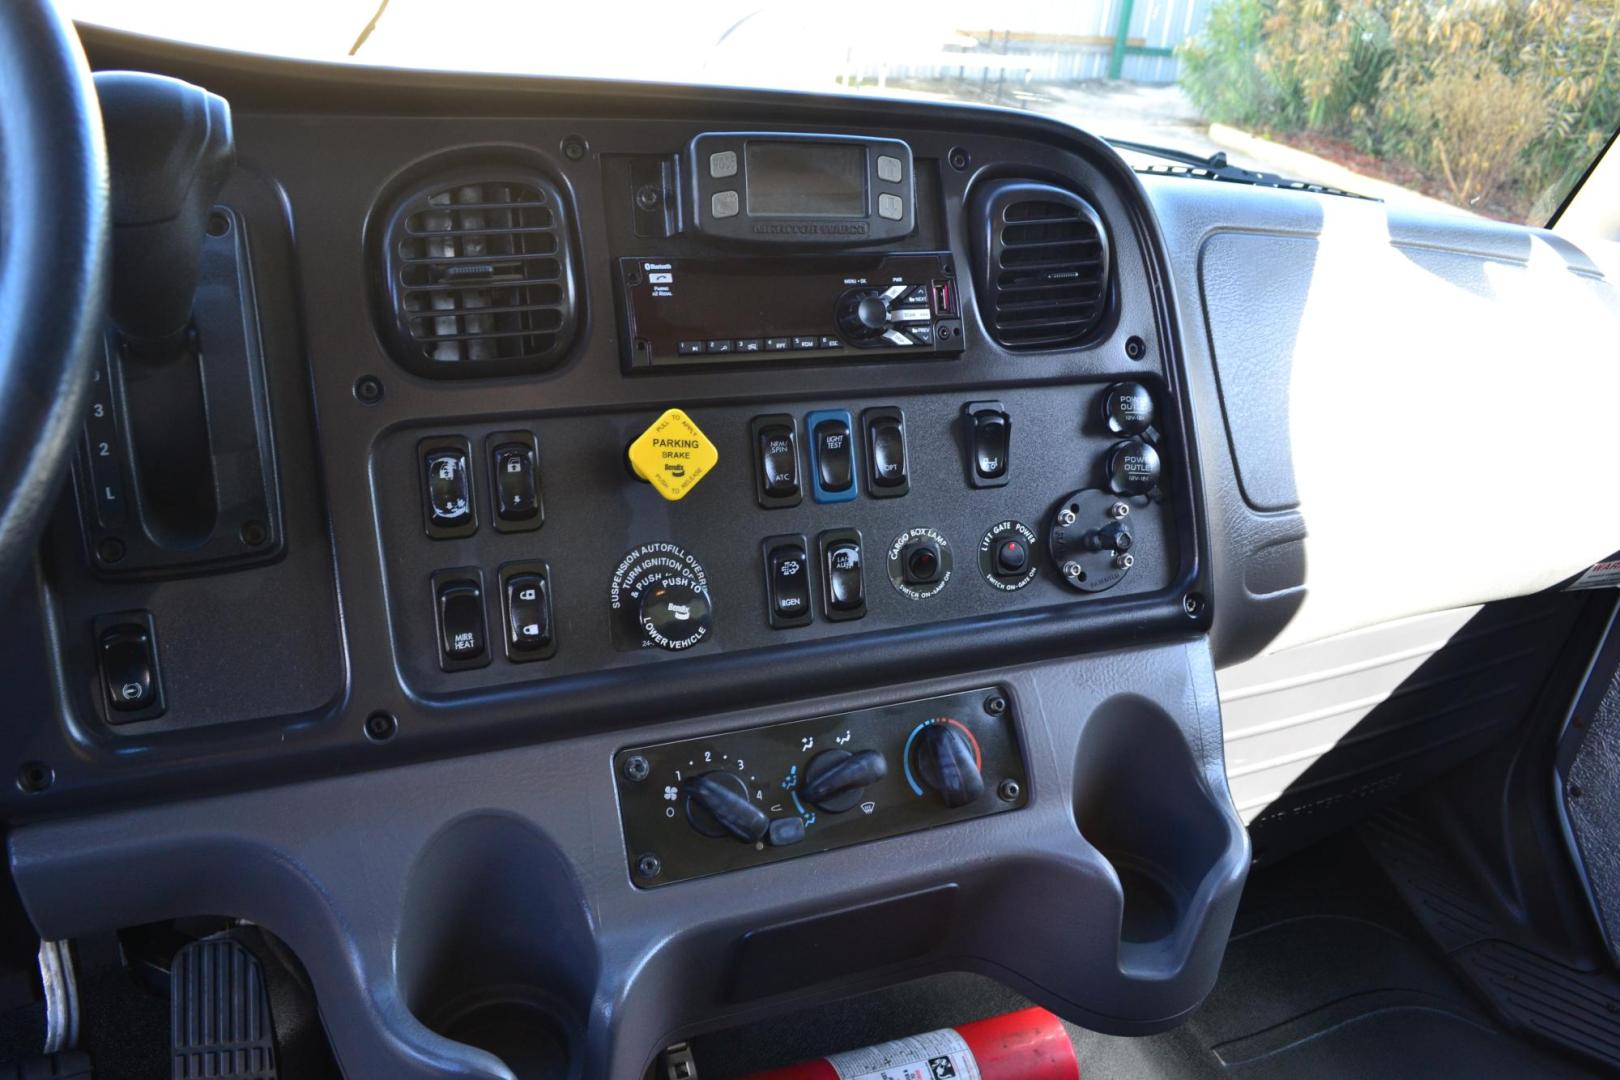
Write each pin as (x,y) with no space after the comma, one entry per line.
(619,561)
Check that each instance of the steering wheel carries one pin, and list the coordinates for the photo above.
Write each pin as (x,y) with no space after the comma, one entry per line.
(53,263)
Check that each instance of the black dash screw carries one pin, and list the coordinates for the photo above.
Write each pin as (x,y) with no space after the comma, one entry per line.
(1135,347)
(958,158)
(381,726)
(1008,791)
(996,705)
(637,768)
(1193,604)
(254,533)
(368,390)
(34,777)
(574,148)
(110,549)
(648,866)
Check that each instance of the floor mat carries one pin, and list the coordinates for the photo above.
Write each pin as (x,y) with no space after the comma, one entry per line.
(1526,985)
(1327,976)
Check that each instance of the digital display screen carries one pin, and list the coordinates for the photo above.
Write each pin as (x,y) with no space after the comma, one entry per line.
(799,179)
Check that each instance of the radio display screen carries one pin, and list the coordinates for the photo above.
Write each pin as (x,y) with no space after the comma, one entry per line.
(801,179)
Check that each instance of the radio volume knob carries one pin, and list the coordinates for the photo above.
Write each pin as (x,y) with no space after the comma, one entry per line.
(863,314)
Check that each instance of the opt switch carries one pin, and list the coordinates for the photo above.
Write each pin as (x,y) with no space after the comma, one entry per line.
(887,468)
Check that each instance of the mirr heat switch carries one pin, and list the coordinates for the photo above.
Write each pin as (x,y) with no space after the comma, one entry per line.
(787,581)
(458,598)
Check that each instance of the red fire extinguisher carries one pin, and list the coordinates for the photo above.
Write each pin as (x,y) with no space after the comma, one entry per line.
(1028,1045)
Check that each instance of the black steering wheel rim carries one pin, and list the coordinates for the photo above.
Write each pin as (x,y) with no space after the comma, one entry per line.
(53,263)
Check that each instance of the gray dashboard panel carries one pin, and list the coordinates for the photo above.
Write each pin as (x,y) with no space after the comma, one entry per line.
(509,869)
(1391,407)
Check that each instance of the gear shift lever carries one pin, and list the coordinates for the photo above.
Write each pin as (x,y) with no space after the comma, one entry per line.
(170,150)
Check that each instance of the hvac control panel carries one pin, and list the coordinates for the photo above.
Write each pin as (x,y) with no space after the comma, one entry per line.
(726,802)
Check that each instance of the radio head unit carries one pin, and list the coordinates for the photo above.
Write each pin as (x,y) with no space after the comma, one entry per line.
(802,189)
(804,308)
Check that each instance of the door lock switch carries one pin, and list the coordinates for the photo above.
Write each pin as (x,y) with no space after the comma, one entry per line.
(526,602)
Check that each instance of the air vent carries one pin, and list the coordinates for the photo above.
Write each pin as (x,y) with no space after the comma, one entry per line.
(480,277)
(1042,264)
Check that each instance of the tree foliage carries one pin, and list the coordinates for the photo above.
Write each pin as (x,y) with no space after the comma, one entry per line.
(1503,102)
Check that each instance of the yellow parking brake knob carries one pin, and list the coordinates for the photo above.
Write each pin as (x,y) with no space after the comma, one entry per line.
(673,455)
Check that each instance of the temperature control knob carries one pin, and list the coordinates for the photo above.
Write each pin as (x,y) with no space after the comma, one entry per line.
(947,763)
(863,314)
(835,779)
(717,805)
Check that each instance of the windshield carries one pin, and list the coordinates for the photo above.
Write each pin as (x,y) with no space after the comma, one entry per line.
(1494,107)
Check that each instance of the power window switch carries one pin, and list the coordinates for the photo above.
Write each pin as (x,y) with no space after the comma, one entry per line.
(458,597)
(127,660)
(787,581)
(514,469)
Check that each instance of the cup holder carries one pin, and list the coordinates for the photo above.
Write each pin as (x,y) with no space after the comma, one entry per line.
(1142,802)
(495,949)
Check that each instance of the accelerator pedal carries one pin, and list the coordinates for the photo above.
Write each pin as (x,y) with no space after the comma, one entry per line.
(219,1013)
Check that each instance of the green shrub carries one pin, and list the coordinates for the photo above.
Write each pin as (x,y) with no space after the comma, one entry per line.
(1497,99)
(1218,67)
(1471,124)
